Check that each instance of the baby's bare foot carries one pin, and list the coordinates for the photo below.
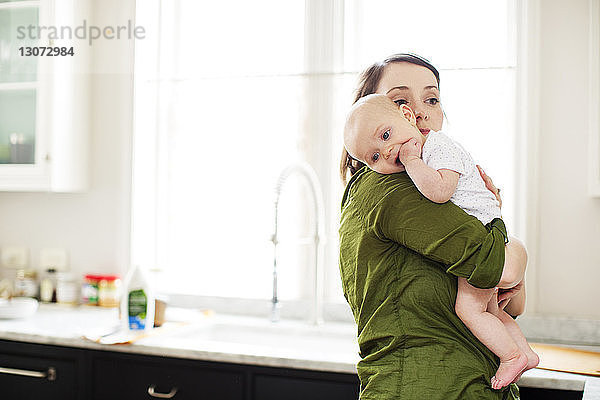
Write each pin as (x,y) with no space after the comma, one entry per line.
(509,370)
(532,361)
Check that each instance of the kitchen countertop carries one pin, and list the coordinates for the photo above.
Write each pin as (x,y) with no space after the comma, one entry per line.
(234,339)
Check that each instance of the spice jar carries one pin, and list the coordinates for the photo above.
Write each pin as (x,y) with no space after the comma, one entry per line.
(26,283)
(109,291)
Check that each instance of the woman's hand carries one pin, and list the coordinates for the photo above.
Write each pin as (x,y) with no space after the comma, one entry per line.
(513,300)
(504,295)
(490,185)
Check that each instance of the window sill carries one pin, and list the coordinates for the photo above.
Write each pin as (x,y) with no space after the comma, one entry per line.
(560,330)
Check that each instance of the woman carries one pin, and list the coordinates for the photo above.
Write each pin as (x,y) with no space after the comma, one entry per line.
(400,256)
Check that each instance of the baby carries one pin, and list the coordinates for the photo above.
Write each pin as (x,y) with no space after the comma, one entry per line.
(385,137)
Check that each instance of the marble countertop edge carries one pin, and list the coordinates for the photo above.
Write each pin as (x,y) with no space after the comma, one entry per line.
(200,354)
(536,378)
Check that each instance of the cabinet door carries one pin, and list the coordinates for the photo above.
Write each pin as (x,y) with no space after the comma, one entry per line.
(44,96)
(128,378)
(26,377)
(268,387)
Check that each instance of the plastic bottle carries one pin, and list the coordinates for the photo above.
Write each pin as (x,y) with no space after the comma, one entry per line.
(48,286)
(137,301)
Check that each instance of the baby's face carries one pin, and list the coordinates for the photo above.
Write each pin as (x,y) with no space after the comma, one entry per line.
(375,131)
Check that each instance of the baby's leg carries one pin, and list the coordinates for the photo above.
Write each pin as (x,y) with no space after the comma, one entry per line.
(513,328)
(471,308)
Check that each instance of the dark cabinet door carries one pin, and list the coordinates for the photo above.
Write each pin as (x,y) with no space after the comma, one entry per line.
(268,387)
(26,377)
(44,372)
(126,378)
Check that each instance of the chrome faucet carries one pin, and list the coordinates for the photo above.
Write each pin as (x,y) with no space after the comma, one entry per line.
(316,306)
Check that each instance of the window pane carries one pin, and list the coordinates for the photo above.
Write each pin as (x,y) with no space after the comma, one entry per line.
(224,157)
(230,118)
(239,38)
(17,126)
(344,85)
(451,34)
(480,111)
(14,34)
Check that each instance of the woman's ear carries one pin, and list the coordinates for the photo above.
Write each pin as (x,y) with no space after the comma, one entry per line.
(408,114)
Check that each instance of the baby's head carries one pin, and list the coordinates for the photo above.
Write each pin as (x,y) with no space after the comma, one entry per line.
(375,130)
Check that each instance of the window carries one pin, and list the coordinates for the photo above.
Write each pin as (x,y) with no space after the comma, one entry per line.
(229,93)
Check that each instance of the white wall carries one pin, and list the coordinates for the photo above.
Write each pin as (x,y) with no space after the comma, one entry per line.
(92,226)
(568,256)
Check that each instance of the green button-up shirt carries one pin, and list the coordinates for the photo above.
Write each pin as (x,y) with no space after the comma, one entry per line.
(400,255)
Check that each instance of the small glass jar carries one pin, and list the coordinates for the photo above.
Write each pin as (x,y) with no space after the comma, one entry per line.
(26,283)
(109,291)
(67,289)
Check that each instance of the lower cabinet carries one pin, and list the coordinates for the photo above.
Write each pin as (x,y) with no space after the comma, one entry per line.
(121,377)
(33,371)
(39,372)
(273,387)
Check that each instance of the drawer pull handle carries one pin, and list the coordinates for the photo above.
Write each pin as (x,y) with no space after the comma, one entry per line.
(50,374)
(152,392)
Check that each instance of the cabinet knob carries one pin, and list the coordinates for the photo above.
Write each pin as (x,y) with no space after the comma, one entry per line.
(152,392)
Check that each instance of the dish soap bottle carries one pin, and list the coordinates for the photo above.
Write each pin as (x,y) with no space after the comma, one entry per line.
(137,302)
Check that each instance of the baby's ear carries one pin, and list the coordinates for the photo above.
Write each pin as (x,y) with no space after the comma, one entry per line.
(408,113)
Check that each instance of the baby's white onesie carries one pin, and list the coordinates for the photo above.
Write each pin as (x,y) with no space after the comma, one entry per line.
(441,152)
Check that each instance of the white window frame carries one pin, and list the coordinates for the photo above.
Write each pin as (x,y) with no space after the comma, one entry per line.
(594,102)
(527,139)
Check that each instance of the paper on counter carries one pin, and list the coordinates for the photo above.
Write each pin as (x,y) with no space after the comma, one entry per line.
(121,336)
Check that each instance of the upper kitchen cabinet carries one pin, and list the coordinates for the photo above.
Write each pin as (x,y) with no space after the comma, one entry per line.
(44,95)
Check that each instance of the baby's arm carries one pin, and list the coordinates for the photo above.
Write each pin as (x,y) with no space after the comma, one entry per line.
(437,185)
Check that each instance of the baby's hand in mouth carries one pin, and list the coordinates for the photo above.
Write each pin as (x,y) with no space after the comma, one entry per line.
(409,151)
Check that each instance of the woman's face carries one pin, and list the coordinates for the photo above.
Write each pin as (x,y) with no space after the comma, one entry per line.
(415,86)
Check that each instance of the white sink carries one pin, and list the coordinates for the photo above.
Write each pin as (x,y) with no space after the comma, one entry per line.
(284,335)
